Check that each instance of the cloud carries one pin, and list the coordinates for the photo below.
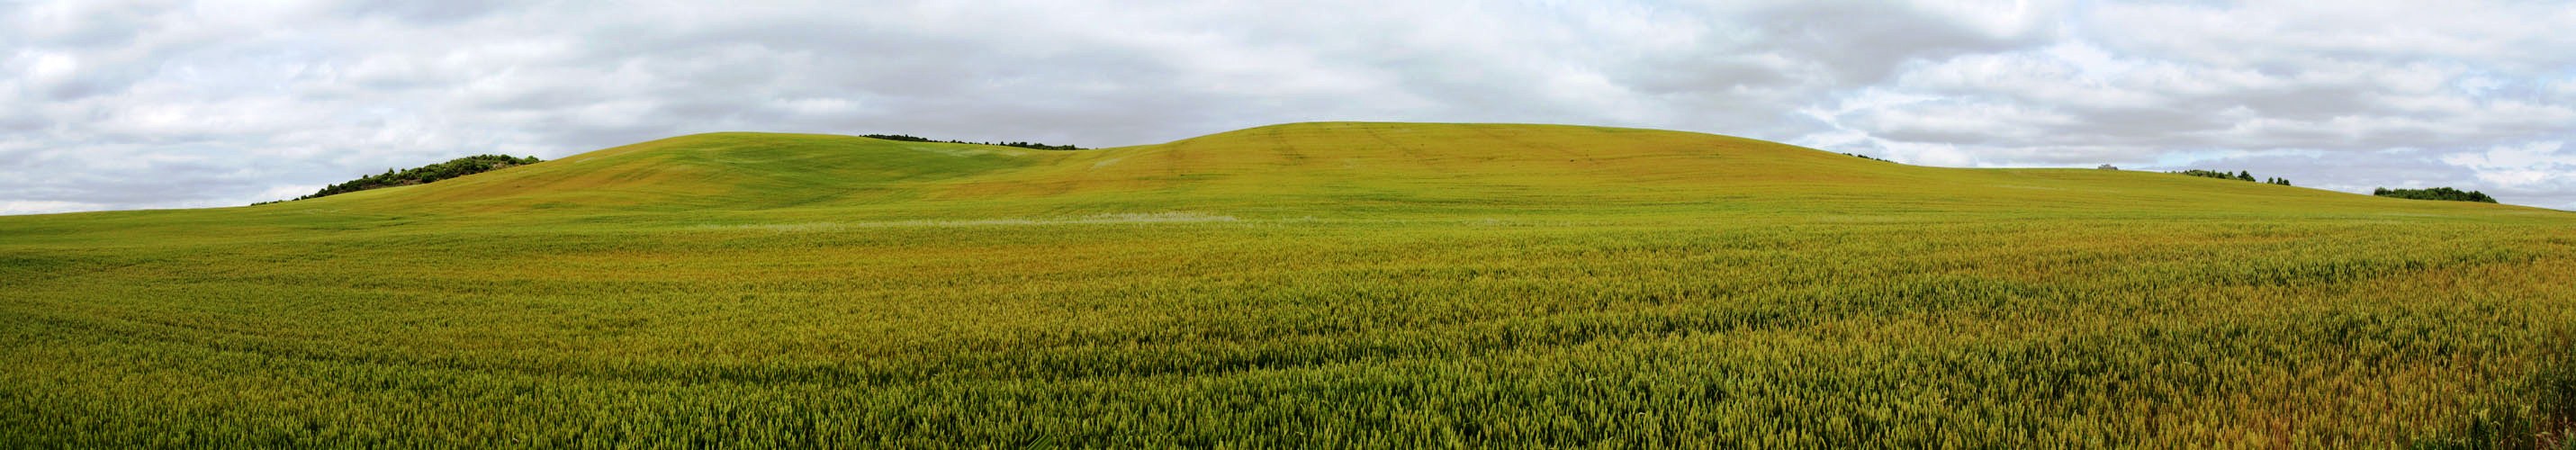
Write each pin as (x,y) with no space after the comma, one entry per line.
(2340,94)
(134,104)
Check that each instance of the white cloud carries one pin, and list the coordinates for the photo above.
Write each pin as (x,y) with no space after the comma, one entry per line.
(8,207)
(2520,166)
(1946,155)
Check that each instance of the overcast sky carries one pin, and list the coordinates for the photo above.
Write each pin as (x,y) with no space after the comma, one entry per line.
(109,104)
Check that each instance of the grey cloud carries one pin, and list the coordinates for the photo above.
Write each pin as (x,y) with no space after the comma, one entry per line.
(1865,42)
(106,23)
(425,13)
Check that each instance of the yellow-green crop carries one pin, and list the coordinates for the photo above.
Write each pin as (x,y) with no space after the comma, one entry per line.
(1305,285)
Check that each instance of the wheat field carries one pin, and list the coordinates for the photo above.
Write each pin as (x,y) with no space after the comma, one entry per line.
(1302,285)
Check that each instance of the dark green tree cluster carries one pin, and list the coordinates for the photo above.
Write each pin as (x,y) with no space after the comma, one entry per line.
(898,137)
(2208,173)
(2238,176)
(2439,193)
(451,169)
(1867,157)
(1020,144)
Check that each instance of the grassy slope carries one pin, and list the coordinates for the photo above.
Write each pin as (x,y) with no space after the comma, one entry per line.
(1295,284)
(1341,167)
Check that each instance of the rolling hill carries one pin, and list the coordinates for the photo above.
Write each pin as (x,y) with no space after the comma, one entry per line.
(1314,284)
(1364,169)
(1324,166)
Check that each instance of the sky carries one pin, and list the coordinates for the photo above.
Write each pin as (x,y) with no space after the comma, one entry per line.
(113,104)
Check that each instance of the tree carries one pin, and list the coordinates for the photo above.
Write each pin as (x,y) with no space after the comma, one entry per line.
(2208,174)
(2438,193)
(424,174)
(1020,144)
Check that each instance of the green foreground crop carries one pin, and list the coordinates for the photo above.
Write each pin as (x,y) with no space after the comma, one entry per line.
(1304,285)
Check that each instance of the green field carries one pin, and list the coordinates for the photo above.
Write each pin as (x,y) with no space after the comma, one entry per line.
(1304,285)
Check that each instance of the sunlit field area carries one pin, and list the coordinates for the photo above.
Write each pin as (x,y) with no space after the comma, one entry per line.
(1304,285)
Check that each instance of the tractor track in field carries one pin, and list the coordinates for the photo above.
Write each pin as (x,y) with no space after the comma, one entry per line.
(1409,153)
(1279,143)
(1588,162)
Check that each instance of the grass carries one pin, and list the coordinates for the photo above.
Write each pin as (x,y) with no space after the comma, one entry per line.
(1305,285)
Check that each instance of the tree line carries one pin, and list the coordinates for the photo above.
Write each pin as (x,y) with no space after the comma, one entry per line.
(2238,176)
(2439,193)
(418,175)
(1020,144)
